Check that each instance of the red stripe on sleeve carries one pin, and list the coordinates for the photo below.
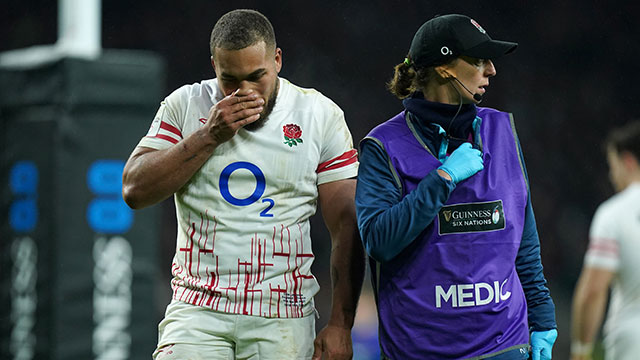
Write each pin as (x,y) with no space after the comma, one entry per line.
(345,159)
(604,245)
(168,138)
(173,129)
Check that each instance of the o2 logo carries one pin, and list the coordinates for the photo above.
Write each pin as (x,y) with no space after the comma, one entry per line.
(23,181)
(257,192)
(107,213)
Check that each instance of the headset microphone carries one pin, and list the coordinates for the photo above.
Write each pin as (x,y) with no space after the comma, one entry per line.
(477,97)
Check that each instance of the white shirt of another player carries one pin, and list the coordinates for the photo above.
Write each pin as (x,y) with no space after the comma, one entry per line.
(243,242)
(614,245)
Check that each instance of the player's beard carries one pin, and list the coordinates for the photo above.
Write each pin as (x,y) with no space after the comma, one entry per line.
(266,111)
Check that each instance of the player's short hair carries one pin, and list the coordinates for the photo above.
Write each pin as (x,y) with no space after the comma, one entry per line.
(626,138)
(240,28)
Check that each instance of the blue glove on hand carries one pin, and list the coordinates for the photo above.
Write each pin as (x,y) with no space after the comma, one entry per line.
(463,163)
(542,344)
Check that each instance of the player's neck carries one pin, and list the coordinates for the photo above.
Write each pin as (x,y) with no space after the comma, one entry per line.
(634,178)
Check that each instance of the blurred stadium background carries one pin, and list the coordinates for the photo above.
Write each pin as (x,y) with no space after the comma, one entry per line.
(68,126)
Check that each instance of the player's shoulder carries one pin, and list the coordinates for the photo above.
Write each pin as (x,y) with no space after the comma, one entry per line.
(203,89)
(618,207)
(623,201)
(303,97)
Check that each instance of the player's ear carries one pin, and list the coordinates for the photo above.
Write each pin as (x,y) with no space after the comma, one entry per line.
(278,59)
(630,162)
(213,63)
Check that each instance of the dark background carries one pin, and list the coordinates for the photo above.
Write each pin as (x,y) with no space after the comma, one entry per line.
(573,77)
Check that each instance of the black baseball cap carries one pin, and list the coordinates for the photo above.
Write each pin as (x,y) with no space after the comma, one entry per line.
(447,37)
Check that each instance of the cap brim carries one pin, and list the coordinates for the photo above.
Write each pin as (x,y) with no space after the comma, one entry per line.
(491,49)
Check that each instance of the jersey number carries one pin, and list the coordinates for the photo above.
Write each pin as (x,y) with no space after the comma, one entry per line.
(257,192)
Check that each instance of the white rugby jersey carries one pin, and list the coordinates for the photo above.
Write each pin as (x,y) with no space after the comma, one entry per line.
(615,245)
(243,243)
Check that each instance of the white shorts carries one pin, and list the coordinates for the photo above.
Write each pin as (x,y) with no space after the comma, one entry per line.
(190,332)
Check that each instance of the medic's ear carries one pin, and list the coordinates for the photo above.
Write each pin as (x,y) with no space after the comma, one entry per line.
(444,72)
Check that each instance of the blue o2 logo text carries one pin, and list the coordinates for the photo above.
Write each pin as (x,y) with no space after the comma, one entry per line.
(255,195)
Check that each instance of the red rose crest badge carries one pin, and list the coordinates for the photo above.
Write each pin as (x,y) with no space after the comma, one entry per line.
(292,134)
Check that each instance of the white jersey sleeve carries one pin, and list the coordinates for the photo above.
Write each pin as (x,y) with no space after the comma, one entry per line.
(338,158)
(167,127)
(604,250)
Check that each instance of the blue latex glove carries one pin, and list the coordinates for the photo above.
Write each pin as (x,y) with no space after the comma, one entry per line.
(542,344)
(463,163)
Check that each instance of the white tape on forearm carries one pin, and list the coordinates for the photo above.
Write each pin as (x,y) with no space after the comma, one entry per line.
(580,348)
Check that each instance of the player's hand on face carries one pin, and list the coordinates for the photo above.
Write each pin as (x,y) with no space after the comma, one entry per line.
(240,108)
